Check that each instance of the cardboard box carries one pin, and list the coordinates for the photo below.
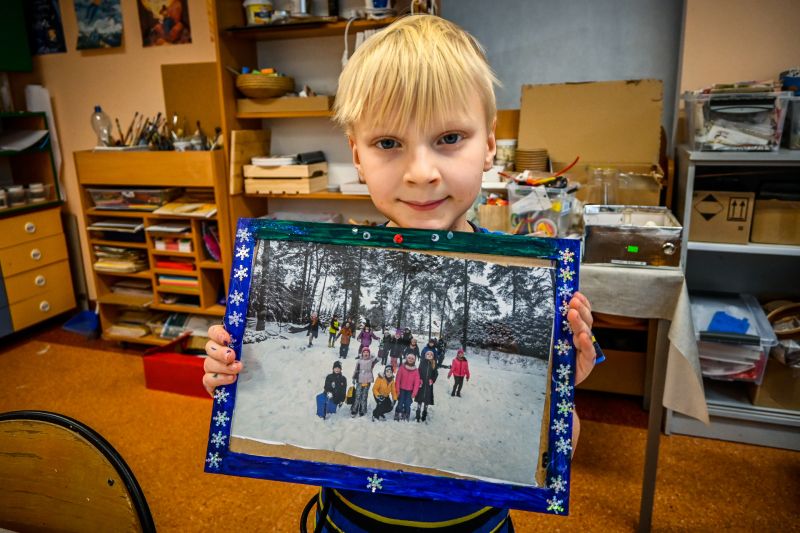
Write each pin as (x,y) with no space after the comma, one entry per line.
(608,124)
(780,388)
(719,216)
(168,370)
(776,222)
(284,104)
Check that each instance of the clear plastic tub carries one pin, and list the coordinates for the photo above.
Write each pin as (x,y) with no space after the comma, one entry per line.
(792,132)
(132,199)
(741,122)
(546,217)
(733,336)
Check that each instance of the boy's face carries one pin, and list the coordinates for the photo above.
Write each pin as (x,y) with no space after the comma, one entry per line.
(426,179)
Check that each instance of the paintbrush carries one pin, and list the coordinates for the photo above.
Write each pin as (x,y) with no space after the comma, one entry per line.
(129,130)
(119,130)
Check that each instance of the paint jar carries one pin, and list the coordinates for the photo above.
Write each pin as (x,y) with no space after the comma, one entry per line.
(37,193)
(16,195)
(258,11)
(3,199)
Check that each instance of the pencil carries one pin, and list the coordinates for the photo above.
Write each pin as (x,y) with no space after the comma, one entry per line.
(119,130)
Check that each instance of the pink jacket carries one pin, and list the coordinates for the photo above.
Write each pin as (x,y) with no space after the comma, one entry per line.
(407,380)
(459,368)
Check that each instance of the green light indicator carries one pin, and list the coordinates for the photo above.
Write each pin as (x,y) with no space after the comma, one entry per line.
(633,249)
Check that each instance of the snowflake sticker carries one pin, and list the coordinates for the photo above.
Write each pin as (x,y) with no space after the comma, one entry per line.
(221,395)
(240,273)
(563,371)
(558,484)
(221,418)
(243,234)
(567,256)
(564,308)
(235,319)
(564,407)
(565,291)
(566,273)
(562,347)
(242,252)
(218,439)
(566,326)
(236,298)
(214,460)
(559,426)
(555,506)
(374,483)
(563,446)
(563,388)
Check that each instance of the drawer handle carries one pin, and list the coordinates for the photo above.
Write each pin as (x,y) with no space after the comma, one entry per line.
(669,248)
(44,306)
(30,227)
(40,281)
(36,254)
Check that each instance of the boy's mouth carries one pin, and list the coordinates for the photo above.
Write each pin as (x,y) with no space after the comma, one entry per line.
(424,206)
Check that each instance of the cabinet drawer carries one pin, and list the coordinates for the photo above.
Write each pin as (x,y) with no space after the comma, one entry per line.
(42,307)
(36,282)
(34,254)
(29,226)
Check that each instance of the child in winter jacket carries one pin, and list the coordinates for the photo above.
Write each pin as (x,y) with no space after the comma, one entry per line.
(366,337)
(336,384)
(427,376)
(333,329)
(362,379)
(384,393)
(396,351)
(345,333)
(386,346)
(412,349)
(313,328)
(431,347)
(460,369)
(406,386)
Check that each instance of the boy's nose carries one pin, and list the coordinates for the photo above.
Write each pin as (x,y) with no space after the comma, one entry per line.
(422,167)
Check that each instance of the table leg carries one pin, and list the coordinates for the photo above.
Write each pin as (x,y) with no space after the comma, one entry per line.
(655,417)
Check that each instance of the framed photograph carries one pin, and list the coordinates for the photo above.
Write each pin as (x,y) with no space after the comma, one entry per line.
(99,24)
(430,364)
(164,22)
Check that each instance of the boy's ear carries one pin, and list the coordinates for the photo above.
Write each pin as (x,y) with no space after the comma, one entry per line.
(491,147)
(356,158)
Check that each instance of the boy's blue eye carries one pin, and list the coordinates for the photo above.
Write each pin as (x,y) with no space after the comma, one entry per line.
(451,138)
(387,144)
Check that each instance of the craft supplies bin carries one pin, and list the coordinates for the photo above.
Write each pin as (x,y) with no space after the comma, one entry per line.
(132,198)
(548,216)
(743,122)
(631,235)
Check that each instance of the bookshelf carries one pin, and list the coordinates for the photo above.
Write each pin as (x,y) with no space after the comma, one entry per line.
(201,172)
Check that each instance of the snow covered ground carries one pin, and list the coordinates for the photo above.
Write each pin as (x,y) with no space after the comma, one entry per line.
(491,432)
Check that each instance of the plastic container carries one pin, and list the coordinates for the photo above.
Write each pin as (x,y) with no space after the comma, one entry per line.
(740,122)
(506,151)
(546,213)
(101,125)
(258,11)
(39,192)
(792,132)
(3,199)
(733,336)
(16,195)
(132,199)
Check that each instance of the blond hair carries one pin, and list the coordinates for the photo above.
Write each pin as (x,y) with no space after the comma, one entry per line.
(421,67)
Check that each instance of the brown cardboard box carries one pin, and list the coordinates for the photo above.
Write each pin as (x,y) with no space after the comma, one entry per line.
(721,216)
(780,388)
(608,124)
(284,104)
(776,222)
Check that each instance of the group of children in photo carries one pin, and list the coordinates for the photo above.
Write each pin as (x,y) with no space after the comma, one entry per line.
(398,385)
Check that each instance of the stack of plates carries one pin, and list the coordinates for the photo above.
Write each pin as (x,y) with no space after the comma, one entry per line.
(264,85)
(530,159)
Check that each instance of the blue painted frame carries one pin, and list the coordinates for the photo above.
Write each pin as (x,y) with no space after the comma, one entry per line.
(565,255)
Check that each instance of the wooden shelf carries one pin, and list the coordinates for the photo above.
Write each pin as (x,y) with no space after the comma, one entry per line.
(216,310)
(303,30)
(147,339)
(122,213)
(118,244)
(287,114)
(167,234)
(142,274)
(313,196)
(173,272)
(171,253)
(192,291)
(210,264)
(125,299)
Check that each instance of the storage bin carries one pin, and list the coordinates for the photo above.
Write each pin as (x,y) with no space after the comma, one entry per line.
(132,199)
(776,215)
(745,122)
(547,215)
(791,133)
(733,336)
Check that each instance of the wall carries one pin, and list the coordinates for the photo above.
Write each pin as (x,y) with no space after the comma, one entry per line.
(737,40)
(122,80)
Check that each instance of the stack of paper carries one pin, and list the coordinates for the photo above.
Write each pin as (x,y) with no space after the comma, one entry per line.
(123,260)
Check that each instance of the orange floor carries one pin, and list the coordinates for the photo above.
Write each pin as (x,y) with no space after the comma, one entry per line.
(703,485)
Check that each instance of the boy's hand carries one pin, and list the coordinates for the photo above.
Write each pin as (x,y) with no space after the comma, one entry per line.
(220,366)
(580,319)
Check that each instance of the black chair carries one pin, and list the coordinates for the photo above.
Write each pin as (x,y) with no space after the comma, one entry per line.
(57,474)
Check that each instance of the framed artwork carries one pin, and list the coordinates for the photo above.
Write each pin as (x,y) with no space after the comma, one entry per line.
(45,31)
(164,22)
(419,363)
(99,24)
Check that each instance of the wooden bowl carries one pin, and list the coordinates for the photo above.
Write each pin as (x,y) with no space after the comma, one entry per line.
(264,86)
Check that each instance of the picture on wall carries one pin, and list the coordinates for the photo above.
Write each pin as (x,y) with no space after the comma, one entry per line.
(99,24)
(45,31)
(164,22)
(429,364)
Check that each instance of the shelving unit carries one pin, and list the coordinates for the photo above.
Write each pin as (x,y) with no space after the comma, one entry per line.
(196,170)
(764,270)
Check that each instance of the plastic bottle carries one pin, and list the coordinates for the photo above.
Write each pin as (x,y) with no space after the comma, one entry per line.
(101,125)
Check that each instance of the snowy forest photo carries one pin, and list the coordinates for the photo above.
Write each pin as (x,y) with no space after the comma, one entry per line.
(313,309)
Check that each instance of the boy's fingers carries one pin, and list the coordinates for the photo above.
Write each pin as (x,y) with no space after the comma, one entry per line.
(584,299)
(218,334)
(212,381)
(577,323)
(584,312)
(213,366)
(219,352)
